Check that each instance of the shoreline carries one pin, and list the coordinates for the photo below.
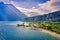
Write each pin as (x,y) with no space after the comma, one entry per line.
(50,32)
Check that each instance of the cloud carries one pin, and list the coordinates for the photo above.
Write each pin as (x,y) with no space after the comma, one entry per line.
(35,7)
(5,1)
(31,12)
(39,1)
(44,8)
(27,3)
(51,5)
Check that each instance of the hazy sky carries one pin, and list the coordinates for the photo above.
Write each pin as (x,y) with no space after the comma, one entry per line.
(25,3)
(35,7)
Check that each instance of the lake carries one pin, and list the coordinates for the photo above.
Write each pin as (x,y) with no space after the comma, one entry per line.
(8,31)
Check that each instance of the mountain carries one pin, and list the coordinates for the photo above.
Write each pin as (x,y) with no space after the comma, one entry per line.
(54,16)
(8,12)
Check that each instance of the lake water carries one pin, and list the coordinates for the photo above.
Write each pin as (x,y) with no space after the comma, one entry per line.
(12,32)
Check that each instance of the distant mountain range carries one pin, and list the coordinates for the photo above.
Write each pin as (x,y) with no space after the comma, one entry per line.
(54,16)
(8,12)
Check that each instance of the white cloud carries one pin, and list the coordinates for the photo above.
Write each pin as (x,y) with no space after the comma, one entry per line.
(31,12)
(51,5)
(33,7)
(44,8)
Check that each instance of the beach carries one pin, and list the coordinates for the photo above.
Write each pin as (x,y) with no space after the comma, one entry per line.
(47,31)
(50,32)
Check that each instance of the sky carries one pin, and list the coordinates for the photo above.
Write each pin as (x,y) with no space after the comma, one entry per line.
(35,7)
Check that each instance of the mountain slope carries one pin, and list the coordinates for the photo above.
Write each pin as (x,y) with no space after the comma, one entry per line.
(10,13)
(55,16)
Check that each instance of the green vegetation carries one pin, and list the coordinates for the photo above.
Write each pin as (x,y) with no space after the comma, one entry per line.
(52,26)
(47,25)
(20,24)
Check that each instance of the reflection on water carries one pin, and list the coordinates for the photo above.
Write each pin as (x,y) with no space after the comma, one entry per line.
(12,32)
